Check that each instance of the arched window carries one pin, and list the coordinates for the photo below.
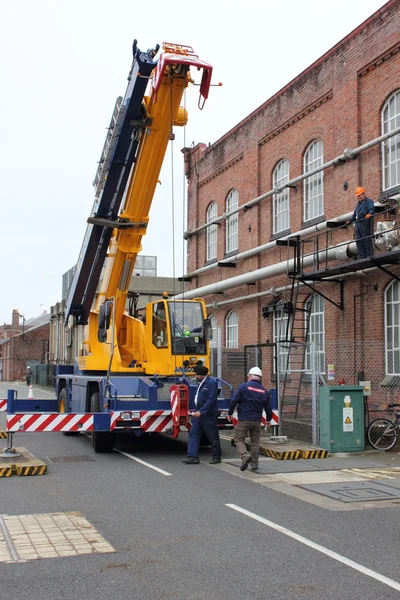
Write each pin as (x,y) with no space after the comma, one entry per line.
(232,330)
(391,146)
(213,320)
(281,214)
(212,232)
(316,332)
(392,329)
(314,185)
(232,238)
(281,334)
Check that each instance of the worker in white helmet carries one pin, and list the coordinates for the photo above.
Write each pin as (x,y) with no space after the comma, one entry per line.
(251,399)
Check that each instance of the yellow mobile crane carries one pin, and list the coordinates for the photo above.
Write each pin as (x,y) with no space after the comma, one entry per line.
(133,373)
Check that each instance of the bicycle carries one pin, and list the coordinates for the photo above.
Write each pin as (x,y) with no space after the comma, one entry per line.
(383,434)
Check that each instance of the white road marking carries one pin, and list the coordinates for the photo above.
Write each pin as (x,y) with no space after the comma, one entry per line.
(142,462)
(342,559)
(225,437)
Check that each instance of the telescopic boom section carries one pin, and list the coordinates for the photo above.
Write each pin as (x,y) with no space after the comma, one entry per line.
(161,112)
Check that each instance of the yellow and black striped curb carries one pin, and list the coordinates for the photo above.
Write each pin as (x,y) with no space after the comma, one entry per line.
(314,453)
(22,466)
(278,455)
(5,471)
(3,434)
(23,470)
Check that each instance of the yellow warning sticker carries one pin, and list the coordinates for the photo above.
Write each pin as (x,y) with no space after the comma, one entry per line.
(348,420)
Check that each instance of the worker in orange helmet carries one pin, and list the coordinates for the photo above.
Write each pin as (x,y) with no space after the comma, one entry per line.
(363,223)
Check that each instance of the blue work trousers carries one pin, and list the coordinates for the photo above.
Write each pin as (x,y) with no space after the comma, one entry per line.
(204,426)
(364,246)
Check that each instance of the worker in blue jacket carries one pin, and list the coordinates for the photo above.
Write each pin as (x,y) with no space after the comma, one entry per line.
(251,399)
(204,420)
(363,220)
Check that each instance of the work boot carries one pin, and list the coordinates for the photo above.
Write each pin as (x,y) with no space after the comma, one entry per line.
(245,462)
(215,461)
(191,460)
(254,467)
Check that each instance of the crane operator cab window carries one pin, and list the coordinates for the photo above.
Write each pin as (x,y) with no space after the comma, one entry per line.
(160,331)
(187,328)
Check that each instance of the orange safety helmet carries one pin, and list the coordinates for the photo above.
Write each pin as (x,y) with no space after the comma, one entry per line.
(359,191)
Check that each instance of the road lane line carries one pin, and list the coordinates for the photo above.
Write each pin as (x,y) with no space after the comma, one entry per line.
(342,559)
(142,462)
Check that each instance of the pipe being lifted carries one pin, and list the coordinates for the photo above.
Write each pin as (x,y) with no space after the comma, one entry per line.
(269,271)
(348,154)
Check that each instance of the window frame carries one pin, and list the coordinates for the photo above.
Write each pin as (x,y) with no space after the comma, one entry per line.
(232,222)
(229,327)
(313,205)
(281,319)
(312,334)
(281,218)
(393,326)
(212,232)
(387,151)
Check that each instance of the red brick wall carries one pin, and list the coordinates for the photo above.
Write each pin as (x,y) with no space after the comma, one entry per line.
(19,350)
(338,100)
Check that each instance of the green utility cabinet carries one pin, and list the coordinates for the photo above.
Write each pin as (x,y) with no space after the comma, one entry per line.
(341,418)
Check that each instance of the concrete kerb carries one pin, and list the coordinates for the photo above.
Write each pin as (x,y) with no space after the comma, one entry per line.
(22,466)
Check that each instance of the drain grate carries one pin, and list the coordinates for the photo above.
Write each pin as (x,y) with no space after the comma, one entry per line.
(74,458)
(355,491)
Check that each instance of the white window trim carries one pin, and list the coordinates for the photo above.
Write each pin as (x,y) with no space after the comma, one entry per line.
(281,319)
(232,222)
(214,327)
(397,348)
(320,353)
(212,240)
(310,208)
(392,141)
(280,203)
(232,343)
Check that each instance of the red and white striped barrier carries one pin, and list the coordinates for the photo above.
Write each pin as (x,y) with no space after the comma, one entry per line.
(155,421)
(49,422)
(3,405)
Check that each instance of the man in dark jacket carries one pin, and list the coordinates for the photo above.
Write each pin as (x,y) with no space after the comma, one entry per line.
(251,398)
(204,420)
(363,219)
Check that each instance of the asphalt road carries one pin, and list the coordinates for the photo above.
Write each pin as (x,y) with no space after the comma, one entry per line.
(191,532)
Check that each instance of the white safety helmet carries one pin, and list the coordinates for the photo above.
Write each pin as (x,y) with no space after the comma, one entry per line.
(255,371)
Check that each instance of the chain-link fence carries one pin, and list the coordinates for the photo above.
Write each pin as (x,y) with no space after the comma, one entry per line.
(44,375)
(297,371)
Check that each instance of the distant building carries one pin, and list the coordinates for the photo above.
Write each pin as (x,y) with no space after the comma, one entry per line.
(28,346)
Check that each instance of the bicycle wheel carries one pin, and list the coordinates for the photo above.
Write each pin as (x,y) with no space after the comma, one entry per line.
(382,434)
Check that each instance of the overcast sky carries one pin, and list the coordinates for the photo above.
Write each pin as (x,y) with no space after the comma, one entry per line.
(63,64)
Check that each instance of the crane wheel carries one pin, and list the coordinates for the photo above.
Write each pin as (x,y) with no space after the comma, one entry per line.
(102,441)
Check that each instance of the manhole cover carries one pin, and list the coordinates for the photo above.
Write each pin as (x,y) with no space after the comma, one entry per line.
(355,491)
(70,459)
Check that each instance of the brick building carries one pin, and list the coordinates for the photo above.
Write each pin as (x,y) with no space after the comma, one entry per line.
(346,99)
(29,347)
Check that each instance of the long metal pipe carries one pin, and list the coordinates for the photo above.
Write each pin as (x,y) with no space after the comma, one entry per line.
(348,154)
(269,245)
(266,272)
(275,291)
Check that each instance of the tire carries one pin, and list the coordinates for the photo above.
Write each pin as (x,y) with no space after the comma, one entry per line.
(382,434)
(62,406)
(102,441)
